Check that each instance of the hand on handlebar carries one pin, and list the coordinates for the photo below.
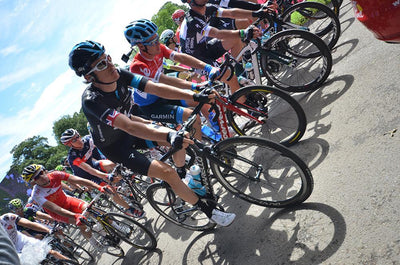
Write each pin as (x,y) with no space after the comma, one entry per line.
(106,189)
(251,32)
(213,72)
(79,219)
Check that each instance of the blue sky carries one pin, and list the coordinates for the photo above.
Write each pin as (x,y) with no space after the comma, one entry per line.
(37,86)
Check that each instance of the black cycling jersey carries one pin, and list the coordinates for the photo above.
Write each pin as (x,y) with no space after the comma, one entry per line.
(194,39)
(88,154)
(101,109)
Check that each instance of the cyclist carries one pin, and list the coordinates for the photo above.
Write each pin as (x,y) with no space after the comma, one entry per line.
(148,62)
(47,192)
(178,17)
(10,221)
(172,68)
(214,42)
(30,213)
(85,159)
(118,133)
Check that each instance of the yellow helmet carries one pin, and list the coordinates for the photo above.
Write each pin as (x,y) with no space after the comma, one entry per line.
(31,171)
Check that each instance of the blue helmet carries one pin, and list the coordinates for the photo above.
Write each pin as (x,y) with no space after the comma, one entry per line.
(83,55)
(140,31)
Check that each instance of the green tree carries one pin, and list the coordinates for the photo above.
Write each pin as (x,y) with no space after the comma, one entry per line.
(77,121)
(163,17)
(32,150)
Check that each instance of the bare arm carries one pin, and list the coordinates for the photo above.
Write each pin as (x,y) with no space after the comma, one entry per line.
(167,91)
(84,182)
(93,171)
(176,82)
(33,225)
(44,216)
(189,60)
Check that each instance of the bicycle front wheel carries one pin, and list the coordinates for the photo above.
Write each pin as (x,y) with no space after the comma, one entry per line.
(262,172)
(316,18)
(163,199)
(131,231)
(75,251)
(280,117)
(296,60)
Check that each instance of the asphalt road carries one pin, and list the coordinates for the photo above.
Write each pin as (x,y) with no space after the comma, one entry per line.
(352,217)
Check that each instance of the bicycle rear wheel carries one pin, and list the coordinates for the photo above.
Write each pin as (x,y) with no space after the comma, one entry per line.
(296,60)
(131,231)
(262,172)
(283,119)
(163,199)
(75,251)
(316,18)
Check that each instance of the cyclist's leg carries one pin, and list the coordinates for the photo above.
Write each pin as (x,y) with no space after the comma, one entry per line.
(217,48)
(141,164)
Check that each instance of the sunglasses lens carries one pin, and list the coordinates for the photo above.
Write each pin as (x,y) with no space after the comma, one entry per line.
(102,65)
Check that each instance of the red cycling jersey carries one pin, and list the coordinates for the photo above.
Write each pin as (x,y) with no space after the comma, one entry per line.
(150,68)
(53,192)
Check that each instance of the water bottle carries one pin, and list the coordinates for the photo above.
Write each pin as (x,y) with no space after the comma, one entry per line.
(210,133)
(248,67)
(195,181)
(214,124)
(265,37)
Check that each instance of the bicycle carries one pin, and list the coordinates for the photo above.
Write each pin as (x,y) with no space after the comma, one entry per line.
(293,60)
(267,112)
(65,245)
(256,170)
(110,228)
(131,187)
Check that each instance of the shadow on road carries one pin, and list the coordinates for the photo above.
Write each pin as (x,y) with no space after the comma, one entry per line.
(308,234)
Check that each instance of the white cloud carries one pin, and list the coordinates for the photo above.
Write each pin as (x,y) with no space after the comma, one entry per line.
(10,50)
(63,95)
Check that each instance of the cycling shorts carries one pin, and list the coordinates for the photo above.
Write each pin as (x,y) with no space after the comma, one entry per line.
(128,152)
(71,204)
(165,110)
(214,50)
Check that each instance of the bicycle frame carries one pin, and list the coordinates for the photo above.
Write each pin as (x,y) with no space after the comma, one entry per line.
(223,104)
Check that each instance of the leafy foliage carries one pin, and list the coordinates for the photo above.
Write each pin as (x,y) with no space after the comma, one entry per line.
(163,17)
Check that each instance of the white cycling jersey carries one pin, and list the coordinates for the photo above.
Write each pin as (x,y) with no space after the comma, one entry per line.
(9,222)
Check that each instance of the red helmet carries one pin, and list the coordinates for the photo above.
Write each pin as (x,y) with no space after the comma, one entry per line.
(179,13)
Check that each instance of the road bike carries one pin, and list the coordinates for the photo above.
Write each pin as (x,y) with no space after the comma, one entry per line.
(266,112)
(253,169)
(110,228)
(65,245)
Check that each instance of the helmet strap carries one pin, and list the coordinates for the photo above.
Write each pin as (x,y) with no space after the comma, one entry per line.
(96,80)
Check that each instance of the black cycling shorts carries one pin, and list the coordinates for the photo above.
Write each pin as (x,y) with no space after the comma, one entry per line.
(128,153)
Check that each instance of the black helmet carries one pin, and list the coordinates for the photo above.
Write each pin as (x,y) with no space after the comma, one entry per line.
(83,55)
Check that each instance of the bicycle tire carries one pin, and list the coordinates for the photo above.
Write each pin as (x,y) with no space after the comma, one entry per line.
(262,183)
(140,184)
(163,199)
(131,231)
(284,120)
(109,242)
(291,69)
(75,251)
(334,5)
(54,261)
(316,18)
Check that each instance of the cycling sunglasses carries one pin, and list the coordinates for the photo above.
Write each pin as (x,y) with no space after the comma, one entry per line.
(154,42)
(38,175)
(101,65)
